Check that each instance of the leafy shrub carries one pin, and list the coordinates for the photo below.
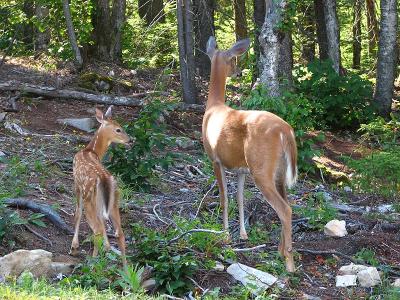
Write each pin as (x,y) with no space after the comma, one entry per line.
(343,101)
(378,172)
(318,210)
(299,112)
(367,255)
(381,132)
(137,165)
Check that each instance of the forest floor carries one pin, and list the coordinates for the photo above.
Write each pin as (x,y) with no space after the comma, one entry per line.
(51,146)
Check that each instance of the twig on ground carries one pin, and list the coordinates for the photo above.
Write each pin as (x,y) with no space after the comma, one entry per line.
(249,249)
(39,235)
(196,284)
(192,231)
(157,215)
(204,197)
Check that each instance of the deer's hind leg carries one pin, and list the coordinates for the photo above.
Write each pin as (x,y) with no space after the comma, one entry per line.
(116,220)
(77,220)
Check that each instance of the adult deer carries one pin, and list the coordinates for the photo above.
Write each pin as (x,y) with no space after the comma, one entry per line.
(258,142)
(95,188)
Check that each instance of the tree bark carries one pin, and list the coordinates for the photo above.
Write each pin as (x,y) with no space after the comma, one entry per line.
(71,34)
(259,7)
(321,29)
(357,33)
(387,57)
(152,11)
(42,38)
(332,33)
(308,31)
(27,29)
(117,21)
(275,46)
(372,24)
(203,24)
(240,19)
(186,58)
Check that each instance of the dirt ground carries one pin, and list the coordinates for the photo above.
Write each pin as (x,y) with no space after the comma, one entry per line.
(181,187)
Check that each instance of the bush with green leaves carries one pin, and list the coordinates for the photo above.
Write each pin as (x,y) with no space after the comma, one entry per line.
(382,133)
(379,172)
(343,101)
(299,112)
(136,166)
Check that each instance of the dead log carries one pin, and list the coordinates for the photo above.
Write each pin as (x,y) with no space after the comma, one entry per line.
(49,212)
(68,94)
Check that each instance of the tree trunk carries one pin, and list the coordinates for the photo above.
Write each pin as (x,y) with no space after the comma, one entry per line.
(240,19)
(332,33)
(372,24)
(152,11)
(308,31)
(203,14)
(275,46)
(259,17)
(71,34)
(27,29)
(321,29)
(117,21)
(42,38)
(186,59)
(357,34)
(387,57)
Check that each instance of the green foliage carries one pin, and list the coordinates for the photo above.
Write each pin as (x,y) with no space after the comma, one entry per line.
(136,166)
(342,101)
(8,219)
(378,172)
(131,279)
(382,133)
(299,112)
(317,209)
(367,255)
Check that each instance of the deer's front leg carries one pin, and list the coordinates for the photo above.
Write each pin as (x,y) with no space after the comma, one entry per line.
(223,196)
(239,197)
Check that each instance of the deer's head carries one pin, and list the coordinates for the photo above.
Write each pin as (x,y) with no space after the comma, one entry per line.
(111,129)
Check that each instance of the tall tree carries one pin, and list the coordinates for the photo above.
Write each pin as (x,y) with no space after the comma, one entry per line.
(152,11)
(203,25)
(107,29)
(42,36)
(27,28)
(71,34)
(387,56)
(332,33)
(372,24)
(276,49)
(186,57)
(307,29)
(240,19)
(259,10)
(321,29)
(357,8)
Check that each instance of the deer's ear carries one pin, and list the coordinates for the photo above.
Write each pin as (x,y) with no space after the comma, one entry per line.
(99,115)
(239,48)
(211,47)
(108,113)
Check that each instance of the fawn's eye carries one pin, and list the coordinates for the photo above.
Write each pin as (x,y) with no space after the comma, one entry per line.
(118,130)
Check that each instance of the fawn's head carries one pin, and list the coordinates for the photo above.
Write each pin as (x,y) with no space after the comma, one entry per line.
(226,60)
(110,129)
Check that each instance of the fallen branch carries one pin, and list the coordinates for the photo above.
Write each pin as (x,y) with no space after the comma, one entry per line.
(68,94)
(238,250)
(191,231)
(39,235)
(204,197)
(50,214)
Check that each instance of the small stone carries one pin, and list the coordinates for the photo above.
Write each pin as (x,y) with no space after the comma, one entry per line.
(148,284)
(327,196)
(396,283)
(351,269)
(347,189)
(385,208)
(133,72)
(369,277)
(346,280)
(309,297)
(184,143)
(184,190)
(2,154)
(63,268)
(2,116)
(85,124)
(219,266)
(335,228)
(111,73)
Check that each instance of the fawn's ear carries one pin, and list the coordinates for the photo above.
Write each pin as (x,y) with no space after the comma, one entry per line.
(211,47)
(99,116)
(108,113)
(239,48)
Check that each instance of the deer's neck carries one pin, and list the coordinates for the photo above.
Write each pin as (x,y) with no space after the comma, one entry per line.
(99,144)
(216,94)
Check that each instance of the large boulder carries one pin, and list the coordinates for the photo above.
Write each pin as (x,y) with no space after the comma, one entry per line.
(38,262)
(335,228)
(84,124)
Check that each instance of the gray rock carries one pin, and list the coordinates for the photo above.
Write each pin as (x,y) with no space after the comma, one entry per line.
(148,284)
(309,297)
(335,228)
(219,266)
(38,262)
(327,196)
(396,283)
(385,208)
(2,116)
(351,269)
(63,268)
(257,281)
(346,280)
(84,124)
(16,128)
(347,189)
(369,277)
(185,143)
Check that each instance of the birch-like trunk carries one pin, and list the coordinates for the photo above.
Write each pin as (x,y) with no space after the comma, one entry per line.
(42,38)
(332,33)
(387,56)
(275,50)
(71,34)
